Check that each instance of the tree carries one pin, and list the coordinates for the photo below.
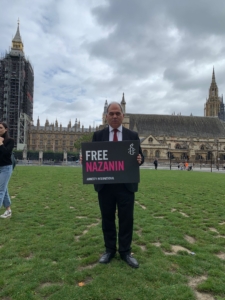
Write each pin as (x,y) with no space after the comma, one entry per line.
(87,137)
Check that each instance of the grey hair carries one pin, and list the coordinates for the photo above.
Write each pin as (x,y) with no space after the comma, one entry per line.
(121,108)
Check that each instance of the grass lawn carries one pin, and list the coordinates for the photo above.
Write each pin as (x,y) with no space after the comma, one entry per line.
(50,247)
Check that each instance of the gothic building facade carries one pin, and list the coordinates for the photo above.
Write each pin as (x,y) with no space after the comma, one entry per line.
(54,137)
(179,137)
(16,91)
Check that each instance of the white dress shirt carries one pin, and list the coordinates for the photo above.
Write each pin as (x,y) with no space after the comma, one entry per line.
(119,133)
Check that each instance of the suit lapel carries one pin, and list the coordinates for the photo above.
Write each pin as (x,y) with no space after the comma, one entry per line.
(125,135)
(105,136)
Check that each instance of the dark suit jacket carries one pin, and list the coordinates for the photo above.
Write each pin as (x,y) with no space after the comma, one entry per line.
(103,135)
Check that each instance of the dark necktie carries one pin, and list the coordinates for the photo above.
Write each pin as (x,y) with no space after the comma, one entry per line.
(115,138)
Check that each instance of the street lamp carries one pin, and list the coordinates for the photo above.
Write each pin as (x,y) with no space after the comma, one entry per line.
(211,160)
(169,153)
(218,159)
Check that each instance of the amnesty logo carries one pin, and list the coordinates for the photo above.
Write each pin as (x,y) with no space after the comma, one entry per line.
(131,150)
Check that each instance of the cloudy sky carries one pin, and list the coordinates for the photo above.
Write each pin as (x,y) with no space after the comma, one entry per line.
(159,53)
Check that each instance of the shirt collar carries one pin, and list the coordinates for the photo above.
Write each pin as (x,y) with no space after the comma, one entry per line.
(119,128)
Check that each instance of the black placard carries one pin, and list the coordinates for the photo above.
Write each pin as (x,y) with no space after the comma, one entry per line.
(110,162)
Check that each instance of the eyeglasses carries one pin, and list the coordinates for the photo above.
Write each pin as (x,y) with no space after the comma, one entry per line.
(111,114)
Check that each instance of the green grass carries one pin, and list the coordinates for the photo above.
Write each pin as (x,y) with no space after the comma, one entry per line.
(54,239)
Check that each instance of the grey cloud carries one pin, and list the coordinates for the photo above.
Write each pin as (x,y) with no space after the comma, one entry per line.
(159,53)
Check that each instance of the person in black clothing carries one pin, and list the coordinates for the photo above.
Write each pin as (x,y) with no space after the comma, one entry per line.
(156,163)
(6,147)
(121,196)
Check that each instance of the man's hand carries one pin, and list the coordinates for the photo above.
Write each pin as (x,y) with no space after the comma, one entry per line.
(1,140)
(139,159)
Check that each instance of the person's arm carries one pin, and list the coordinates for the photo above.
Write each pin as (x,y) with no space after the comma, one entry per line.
(8,148)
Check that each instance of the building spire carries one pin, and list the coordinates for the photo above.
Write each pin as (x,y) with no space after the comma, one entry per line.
(212,106)
(17,44)
(105,107)
(123,104)
(213,90)
(213,76)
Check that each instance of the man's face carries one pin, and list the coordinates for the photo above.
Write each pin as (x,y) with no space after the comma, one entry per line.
(114,116)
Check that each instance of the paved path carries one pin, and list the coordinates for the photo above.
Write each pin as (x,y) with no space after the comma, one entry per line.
(196,169)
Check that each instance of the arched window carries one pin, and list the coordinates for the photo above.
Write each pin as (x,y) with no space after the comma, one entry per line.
(198,157)
(202,147)
(150,140)
(157,153)
(184,156)
(178,146)
(145,153)
(209,155)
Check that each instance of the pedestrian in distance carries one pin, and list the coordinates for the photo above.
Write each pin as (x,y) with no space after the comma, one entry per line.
(6,148)
(155,163)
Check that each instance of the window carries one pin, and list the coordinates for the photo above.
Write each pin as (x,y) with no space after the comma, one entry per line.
(150,140)
(157,153)
(145,153)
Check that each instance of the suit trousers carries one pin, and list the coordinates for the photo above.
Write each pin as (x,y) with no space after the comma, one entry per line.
(113,196)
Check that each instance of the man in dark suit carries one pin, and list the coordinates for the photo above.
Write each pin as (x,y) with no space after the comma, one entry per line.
(121,196)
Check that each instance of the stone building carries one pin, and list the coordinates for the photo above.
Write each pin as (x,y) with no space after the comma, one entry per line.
(180,137)
(54,137)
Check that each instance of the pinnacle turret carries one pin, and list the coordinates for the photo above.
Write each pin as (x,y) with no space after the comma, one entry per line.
(213,77)
(213,90)
(123,104)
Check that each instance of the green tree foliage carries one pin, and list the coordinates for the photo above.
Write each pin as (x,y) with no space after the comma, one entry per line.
(33,155)
(55,156)
(18,154)
(72,156)
(87,137)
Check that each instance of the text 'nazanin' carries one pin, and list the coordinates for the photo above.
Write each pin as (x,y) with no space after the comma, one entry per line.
(103,166)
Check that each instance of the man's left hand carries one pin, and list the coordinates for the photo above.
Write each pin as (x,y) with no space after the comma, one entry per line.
(139,159)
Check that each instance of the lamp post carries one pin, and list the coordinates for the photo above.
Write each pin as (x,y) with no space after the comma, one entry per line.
(169,153)
(211,160)
(218,165)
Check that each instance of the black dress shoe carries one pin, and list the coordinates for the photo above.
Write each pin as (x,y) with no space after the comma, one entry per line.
(106,257)
(130,260)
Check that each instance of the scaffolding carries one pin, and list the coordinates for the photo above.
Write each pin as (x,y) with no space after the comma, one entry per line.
(24,122)
(16,95)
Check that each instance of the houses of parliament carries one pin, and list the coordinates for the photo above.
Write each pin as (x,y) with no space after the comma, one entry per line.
(162,136)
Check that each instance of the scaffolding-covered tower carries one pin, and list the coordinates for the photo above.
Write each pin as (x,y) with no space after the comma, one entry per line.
(16,91)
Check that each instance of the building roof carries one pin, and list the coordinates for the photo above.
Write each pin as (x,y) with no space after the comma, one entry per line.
(17,37)
(177,125)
